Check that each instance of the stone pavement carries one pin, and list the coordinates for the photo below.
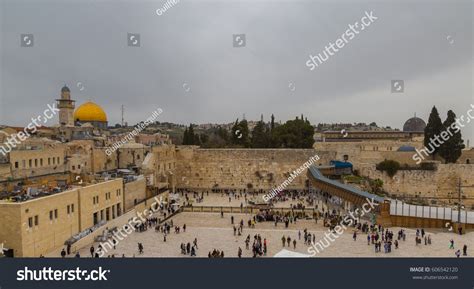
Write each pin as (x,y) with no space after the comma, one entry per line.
(214,232)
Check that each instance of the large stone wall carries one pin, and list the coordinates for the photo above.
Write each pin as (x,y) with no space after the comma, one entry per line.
(236,168)
(440,183)
(135,192)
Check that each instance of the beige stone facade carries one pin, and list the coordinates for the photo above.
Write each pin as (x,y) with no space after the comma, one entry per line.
(37,226)
(36,162)
(135,192)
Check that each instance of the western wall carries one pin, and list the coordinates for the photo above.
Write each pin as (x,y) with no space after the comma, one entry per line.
(240,168)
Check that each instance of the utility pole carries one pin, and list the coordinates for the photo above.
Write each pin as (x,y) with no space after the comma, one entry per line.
(459,201)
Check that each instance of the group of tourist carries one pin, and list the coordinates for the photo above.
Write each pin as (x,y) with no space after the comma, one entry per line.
(187,249)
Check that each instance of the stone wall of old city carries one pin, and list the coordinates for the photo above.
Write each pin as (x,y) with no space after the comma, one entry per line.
(239,168)
(440,183)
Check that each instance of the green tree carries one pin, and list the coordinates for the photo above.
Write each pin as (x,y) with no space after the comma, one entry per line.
(451,149)
(296,133)
(259,135)
(433,128)
(191,136)
(389,166)
(240,133)
(186,137)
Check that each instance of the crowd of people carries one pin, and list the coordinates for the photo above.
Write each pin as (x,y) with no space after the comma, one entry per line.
(331,214)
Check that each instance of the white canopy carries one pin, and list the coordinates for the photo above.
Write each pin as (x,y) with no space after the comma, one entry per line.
(290,254)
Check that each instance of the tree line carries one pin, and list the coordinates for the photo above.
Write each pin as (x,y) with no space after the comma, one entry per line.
(297,133)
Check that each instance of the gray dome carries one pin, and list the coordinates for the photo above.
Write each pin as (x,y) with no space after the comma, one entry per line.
(414,124)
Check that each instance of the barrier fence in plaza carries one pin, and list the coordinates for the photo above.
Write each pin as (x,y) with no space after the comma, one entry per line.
(399,208)
(244,210)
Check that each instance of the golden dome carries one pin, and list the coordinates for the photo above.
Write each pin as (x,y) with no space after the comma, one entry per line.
(89,111)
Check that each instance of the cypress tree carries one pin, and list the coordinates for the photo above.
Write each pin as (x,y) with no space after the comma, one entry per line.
(451,149)
(432,129)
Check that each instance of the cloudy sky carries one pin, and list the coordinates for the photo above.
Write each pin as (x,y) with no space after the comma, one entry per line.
(186,63)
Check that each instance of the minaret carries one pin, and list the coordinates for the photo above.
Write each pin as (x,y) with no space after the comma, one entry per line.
(66,107)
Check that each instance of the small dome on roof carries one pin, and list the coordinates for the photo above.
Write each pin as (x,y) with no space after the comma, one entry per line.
(65,89)
(405,148)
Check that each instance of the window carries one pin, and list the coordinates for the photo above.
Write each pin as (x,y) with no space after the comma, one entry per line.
(68,209)
(54,161)
(56,213)
(41,162)
(95,200)
(30,222)
(16,165)
(30,162)
(73,167)
(36,220)
(57,160)
(119,211)
(36,162)
(50,215)
(72,208)
(49,161)
(95,218)
(23,163)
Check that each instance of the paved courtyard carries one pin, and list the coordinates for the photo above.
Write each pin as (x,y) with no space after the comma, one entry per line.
(214,232)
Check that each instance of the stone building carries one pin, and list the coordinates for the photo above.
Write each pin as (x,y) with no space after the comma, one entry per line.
(42,224)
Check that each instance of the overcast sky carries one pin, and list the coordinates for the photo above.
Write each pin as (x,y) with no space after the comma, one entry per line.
(186,63)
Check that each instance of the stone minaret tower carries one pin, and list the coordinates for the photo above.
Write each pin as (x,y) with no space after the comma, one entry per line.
(66,107)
